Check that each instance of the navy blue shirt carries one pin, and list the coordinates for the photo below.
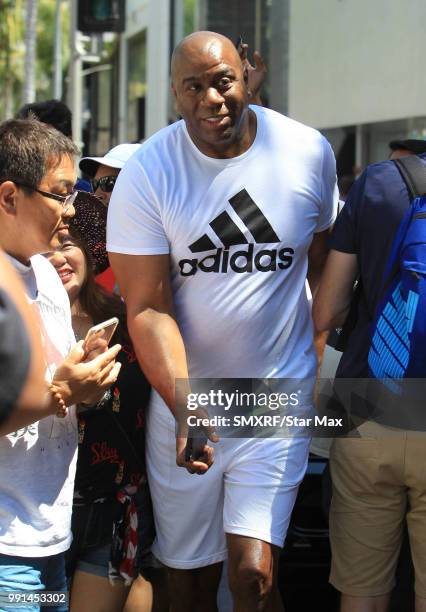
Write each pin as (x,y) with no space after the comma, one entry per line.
(366,227)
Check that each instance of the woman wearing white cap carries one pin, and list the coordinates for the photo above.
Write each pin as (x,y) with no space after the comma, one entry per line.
(103,171)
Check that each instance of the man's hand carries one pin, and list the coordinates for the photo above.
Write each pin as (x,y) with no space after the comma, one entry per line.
(78,380)
(255,74)
(203,458)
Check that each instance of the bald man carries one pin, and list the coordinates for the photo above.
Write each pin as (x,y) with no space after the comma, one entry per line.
(211,227)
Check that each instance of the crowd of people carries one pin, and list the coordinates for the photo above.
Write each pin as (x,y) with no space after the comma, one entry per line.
(213,227)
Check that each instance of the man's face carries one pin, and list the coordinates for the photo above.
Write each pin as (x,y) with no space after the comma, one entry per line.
(43,220)
(211,96)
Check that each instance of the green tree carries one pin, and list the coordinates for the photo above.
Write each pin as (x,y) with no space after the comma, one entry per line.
(46,43)
(11,55)
(12,51)
(189,16)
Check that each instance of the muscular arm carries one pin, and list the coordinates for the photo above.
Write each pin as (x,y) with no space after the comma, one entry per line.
(144,282)
(332,302)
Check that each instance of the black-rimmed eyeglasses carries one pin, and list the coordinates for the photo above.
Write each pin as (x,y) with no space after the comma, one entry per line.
(66,201)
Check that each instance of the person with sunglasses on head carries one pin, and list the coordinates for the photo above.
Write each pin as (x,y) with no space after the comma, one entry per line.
(103,172)
(38,457)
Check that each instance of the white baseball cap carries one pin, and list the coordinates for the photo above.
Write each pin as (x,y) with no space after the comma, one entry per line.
(115,158)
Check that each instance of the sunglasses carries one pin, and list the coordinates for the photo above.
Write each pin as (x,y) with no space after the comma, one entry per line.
(105,184)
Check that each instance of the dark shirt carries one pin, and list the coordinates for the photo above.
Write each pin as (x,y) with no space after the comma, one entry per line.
(366,227)
(14,355)
(111,439)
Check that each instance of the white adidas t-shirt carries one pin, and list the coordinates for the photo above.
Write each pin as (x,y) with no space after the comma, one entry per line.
(37,462)
(238,233)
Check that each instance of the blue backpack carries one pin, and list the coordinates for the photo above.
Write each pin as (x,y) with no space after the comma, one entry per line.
(398,345)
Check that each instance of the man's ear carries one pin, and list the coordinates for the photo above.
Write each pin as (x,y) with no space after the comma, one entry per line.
(8,197)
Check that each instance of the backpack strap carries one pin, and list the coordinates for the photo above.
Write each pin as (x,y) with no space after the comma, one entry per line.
(413,171)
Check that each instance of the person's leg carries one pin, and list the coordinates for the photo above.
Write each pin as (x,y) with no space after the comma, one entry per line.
(149,592)
(416,516)
(253,567)
(182,589)
(195,589)
(91,590)
(364,604)
(91,593)
(261,482)
(188,511)
(140,597)
(366,519)
(207,585)
(420,604)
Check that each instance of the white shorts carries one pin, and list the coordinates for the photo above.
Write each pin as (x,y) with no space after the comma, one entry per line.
(250,490)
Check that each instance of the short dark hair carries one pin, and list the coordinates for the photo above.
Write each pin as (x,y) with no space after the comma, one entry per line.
(52,112)
(29,148)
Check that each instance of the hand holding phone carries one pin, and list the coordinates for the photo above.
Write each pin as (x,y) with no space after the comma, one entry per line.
(195,445)
(99,336)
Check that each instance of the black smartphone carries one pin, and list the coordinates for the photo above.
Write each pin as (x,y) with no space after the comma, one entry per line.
(238,42)
(195,445)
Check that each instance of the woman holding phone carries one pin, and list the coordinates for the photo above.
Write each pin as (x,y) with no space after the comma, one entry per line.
(112,522)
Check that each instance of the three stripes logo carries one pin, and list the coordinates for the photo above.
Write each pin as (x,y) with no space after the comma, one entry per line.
(228,232)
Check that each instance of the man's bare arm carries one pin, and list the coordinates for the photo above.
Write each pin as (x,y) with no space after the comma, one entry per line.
(144,282)
(333,299)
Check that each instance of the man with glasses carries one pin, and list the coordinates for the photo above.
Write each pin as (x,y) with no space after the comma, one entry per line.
(37,459)
(103,172)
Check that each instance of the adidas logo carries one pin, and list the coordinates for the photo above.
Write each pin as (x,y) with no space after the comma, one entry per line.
(244,260)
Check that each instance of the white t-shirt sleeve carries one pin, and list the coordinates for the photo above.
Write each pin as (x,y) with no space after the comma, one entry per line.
(329,189)
(134,224)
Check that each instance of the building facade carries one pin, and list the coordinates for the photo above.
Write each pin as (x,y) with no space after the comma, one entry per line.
(351,68)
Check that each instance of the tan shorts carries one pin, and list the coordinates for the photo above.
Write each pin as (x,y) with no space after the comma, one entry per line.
(376,482)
